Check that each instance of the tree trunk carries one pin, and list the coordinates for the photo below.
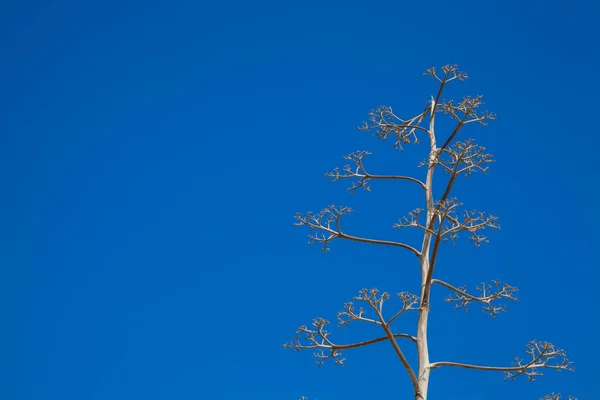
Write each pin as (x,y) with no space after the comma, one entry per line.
(422,342)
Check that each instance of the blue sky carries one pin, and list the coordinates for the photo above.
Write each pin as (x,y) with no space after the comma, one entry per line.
(153,155)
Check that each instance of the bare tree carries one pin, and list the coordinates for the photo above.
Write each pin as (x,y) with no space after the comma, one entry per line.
(440,220)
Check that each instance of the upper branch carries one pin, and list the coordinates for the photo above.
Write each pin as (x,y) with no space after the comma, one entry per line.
(450,73)
(464,112)
(488,294)
(542,355)
(385,123)
(358,171)
(326,227)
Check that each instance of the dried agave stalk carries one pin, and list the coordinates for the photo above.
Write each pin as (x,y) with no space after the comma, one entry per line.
(440,220)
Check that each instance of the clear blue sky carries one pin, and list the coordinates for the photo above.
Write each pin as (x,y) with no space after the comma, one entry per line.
(153,155)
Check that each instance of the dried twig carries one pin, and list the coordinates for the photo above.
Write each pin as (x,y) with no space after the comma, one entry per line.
(360,173)
(318,337)
(326,228)
(447,226)
(488,294)
(463,158)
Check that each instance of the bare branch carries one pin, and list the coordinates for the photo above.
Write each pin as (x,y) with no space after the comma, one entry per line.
(451,72)
(488,294)
(543,355)
(326,228)
(471,221)
(359,172)
(318,338)
(376,303)
(447,226)
(375,299)
(409,302)
(385,123)
(413,221)
(463,158)
(349,314)
(467,107)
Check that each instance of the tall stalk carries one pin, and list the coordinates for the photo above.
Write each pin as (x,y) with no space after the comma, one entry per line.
(441,220)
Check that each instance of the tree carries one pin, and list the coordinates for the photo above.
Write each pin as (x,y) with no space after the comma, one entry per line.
(440,220)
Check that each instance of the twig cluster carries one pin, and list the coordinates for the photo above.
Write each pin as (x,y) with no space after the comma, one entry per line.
(325,224)
(326,228)
(317,337)
(462,158)
(359,172)
(488,293)
(465,110)
(448,224)
(450,73)
(385,123)
(543,355)
(375,300)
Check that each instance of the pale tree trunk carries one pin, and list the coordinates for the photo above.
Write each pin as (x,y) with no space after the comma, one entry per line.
(422,340)
(422,344)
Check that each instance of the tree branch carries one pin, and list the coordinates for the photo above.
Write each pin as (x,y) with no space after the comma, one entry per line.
(326,227)
(543,355)
(409,301)
(462,298)
(446,225)
(385,123)
(375,300)
(363,176)
(377,306)
(318,338)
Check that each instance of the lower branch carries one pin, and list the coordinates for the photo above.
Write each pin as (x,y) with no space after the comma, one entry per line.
(543,355)
(318,338)
(354,345)
(390,335)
